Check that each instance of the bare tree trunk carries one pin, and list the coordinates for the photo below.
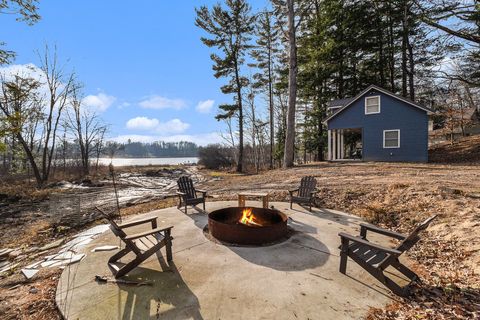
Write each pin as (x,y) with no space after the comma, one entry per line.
(381,58)
(59,88)
(33,164)
(404,50)
(391,50)
(240,118)
(292,88)
(411,71)
(270,103)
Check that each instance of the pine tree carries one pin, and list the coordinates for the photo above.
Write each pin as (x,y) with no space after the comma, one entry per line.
(230,29)
(265,55)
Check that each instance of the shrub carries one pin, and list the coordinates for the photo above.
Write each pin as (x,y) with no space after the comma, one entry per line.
(215,156)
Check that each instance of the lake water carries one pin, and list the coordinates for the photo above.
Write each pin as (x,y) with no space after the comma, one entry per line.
(122,162)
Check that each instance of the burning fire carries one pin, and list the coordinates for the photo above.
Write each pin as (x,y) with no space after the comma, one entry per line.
(248,218)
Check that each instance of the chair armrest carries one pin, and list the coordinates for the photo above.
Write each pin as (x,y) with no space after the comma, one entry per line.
(146,233)
(369,244)
(201,191)
(364,227)
(293,190)
(137,222)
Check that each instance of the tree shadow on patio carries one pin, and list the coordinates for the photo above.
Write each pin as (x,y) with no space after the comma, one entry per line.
(167,298)
(300,252)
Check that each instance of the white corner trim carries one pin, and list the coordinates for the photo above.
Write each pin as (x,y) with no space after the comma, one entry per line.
(379,104)
(390,130)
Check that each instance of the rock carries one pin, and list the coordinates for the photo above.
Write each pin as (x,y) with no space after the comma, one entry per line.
(33,290)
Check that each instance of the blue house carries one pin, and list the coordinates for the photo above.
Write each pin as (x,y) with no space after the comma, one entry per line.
(377,125)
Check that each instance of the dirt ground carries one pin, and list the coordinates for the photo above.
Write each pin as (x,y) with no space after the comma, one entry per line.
(396,196)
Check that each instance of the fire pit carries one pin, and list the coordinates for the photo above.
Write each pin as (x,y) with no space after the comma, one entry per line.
(247,226)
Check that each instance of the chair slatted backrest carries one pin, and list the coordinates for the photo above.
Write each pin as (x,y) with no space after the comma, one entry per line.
(185,185)
(307,185)
(117,231)
(113,224)
(413,237)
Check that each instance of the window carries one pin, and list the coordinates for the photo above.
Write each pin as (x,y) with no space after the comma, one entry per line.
(391,138)
(372,105)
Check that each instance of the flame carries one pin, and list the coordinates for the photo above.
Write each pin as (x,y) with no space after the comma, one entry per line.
(248,217)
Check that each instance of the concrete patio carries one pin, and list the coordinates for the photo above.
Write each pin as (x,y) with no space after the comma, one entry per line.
(297,278)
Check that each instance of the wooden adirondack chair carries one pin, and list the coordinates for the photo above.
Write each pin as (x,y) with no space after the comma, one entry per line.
(375,258)
(143,244)
(188,195)
(305,194)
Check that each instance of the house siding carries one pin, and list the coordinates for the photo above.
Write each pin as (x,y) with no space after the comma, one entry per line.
(394,114)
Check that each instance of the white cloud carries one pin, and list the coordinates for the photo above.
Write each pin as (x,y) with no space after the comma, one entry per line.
(155,126)
(159,102)
(28,70)
(142,123)
(172,126)
(201,139)
(23,70)
(99,102)
(205,106)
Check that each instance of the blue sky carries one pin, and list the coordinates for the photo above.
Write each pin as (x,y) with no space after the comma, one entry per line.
(142,63)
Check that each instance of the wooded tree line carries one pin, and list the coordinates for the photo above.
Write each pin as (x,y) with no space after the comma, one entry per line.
(155,149)
(285,63)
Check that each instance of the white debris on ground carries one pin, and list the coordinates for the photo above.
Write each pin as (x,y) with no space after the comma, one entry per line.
(6,265)
(104,248)
(69,253)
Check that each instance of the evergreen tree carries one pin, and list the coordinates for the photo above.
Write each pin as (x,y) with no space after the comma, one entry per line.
(230,29)
(264,54)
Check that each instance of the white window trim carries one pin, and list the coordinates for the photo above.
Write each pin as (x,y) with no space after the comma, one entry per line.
(385,147)
(379,104)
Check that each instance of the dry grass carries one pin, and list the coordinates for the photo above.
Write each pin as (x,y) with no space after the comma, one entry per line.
(464,150)
(35,300)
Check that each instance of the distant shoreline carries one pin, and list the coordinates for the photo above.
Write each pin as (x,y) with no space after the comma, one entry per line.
(125,162)
(166,157)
